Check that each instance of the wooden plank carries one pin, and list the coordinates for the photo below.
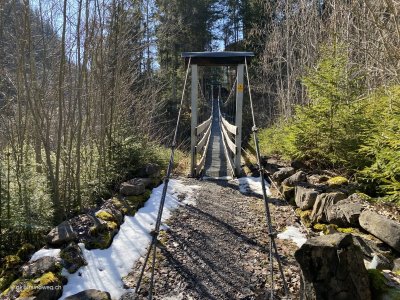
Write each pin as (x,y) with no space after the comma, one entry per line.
(231,145)
(203,126)
(202,143)
(231,128)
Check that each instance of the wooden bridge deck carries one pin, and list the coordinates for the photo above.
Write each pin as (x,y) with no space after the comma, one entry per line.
(216,164)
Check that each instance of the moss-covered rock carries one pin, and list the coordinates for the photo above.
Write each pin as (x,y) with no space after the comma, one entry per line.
(41,266)
(72,258)
(380,288)
(337,181)
(134,203)
(112,225)
(304,216)
(319,227)
(347,230)
(105,215)
(326,228)
(48,286)
(117,203)
(139,199)
(361,196)
(101,241)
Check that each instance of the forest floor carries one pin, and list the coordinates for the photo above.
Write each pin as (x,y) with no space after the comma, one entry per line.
(218,248)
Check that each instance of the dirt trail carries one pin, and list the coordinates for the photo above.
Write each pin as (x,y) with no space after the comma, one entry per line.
(218,248)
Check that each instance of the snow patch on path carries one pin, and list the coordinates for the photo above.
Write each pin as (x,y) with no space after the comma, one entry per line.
(252,184)
(106,268)
(293,233)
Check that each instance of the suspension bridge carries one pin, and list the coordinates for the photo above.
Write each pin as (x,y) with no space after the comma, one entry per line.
(216,140)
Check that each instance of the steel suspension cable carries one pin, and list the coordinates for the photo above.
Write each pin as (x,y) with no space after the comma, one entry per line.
(156,231)
(273,251)
(231,92)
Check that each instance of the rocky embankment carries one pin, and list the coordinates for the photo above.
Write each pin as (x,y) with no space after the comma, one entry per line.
(354,249)
(41,277)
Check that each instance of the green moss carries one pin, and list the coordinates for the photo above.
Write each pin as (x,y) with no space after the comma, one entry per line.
(11,261)
(319,227)
(139,199)
(363,196)
(105,216)
(103,241)
(337,181)
(112,225)
(33,286)
(304,216)
(25,251)
(118,204)
(346,230)
(380,288)
(136,202)
(326,229)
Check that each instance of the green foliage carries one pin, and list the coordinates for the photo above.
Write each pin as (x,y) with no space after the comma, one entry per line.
(279,139)
(337,181)
(11,262)
(342,128)
(383,146)
(25,251)
(330,128)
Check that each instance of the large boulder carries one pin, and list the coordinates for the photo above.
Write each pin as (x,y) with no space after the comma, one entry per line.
(60,235)
(332,268)
(132,187)
(282,174)
(90,295)
(295,179)
(305,197)
(383,228)
(344,213)
(41,266)
(322,204)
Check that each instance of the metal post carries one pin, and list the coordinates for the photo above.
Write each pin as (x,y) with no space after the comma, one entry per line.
(193,143)
(219,91)
(238,119)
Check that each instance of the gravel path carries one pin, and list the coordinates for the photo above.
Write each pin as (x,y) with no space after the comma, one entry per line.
(218,249)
